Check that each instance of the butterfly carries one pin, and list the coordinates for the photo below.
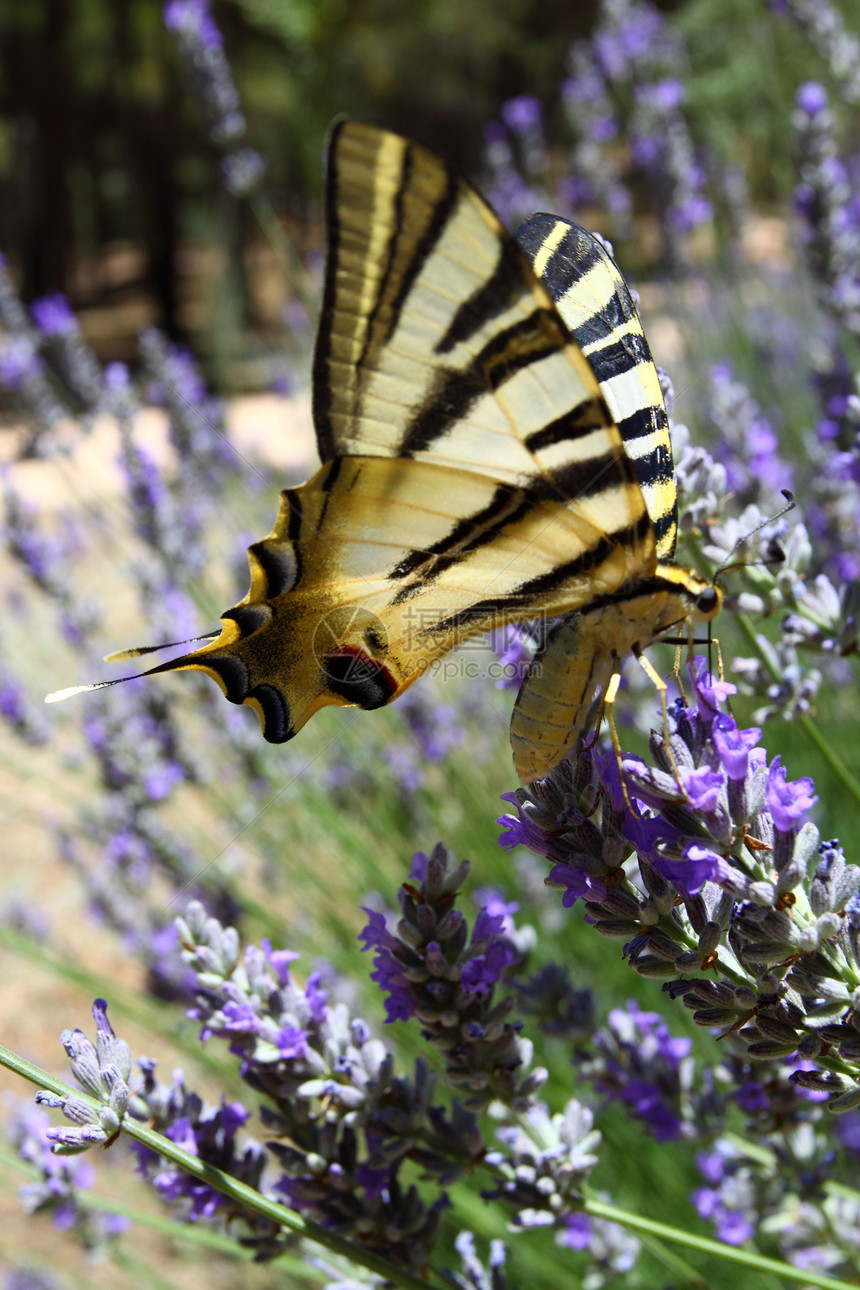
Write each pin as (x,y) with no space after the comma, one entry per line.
(494,448)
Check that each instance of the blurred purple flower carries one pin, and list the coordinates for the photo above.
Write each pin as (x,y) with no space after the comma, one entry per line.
(523,114)
(53,315)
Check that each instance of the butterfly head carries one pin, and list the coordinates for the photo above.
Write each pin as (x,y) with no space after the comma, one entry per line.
(686,596)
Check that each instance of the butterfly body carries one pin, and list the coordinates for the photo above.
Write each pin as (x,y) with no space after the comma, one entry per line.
(581,652)
(494,447)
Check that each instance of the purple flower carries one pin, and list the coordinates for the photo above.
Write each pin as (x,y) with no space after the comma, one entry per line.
(577,885)
(53,315)
(191,18)
(482,972)
(317,997)
(242,171)
(161,779)
(610,774)
(604,128)
(734,745)
(279,961)
(668,95)
(387,972)
(811,97)
(576,1232)
(18,360)
(688,214)
(521,830)
(848,1129)
(522,115)
(731,1225)
(647,832)
(788,801)
(702,786)
(645,149)
(292,1043)
(699,865)
(752,1097)
(709,691)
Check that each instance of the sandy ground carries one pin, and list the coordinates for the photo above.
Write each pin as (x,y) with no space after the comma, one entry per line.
(35,792)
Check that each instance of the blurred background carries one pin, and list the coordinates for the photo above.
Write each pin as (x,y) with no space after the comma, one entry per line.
(111,186)
(162,239)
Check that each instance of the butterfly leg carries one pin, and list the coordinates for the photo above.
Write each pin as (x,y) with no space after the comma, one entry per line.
(719,653)
(606,708)
(676,673)
(661,687)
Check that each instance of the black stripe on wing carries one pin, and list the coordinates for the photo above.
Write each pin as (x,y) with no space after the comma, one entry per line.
(423,247)
(573,424)
(506,284)
(530,591)
(456,390)
(322,391)
(468,533)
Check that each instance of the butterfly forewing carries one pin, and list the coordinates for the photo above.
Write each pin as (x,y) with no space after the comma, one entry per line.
(437,343)
(473,473)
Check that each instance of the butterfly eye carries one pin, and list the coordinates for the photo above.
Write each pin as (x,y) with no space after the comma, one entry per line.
(707,601)
(359,679)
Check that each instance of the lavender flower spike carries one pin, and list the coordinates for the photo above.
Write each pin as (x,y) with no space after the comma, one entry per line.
(103,1070)
(723,886)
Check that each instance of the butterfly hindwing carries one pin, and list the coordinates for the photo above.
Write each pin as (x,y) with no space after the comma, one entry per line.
(598,309)
(560,692)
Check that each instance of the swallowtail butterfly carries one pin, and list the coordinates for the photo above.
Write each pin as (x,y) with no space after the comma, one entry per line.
(494,448)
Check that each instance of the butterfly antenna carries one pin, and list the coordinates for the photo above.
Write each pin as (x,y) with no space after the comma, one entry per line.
(790,504)
(57,696)
(137,651)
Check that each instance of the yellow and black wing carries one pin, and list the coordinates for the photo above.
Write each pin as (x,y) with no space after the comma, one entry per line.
(473,474)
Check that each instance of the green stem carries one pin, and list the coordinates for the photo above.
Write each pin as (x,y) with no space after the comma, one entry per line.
(733,1254)
(284,250)
(244,1196)
(807,725)
(249,1199)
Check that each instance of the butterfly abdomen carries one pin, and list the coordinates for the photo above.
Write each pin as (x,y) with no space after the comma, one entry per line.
(569,674)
